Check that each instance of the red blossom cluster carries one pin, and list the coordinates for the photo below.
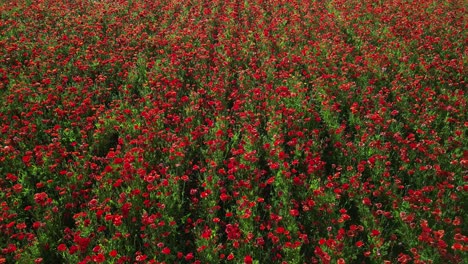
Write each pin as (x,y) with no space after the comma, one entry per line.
(260,131)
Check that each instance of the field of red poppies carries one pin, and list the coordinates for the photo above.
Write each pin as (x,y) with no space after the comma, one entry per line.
(234,131)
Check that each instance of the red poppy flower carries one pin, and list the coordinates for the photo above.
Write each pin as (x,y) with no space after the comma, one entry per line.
(166,251)
(62,247)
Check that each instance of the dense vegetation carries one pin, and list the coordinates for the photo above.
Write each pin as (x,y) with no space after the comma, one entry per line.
(263,131)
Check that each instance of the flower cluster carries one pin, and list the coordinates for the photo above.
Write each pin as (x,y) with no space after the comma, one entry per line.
(261,131)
